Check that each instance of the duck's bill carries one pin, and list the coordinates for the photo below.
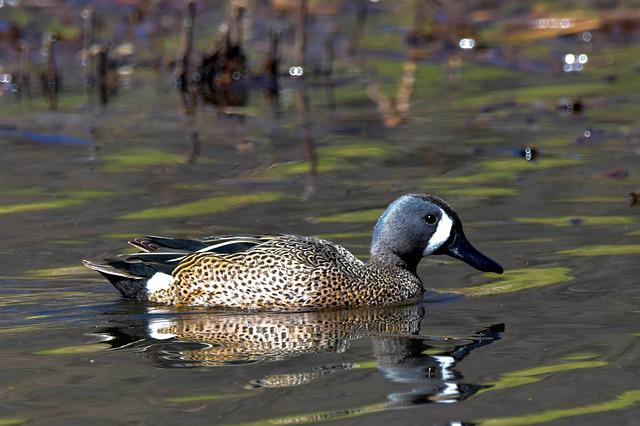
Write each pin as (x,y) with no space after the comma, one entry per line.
(461,248)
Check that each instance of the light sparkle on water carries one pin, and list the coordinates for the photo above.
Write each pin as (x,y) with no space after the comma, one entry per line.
(296,71)
(467,43)
(574,62)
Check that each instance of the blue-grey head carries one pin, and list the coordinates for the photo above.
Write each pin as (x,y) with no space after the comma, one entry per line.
(417,225)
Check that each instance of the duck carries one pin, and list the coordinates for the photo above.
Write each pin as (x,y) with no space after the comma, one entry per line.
(281,272)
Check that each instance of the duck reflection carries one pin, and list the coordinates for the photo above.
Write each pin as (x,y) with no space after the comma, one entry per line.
(219,339)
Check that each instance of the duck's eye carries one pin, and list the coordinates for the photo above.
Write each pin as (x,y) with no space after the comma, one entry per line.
(430,219)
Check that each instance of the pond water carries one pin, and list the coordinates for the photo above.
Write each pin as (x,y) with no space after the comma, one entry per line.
(541,188)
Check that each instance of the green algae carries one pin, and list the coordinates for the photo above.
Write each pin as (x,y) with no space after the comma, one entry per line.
(38,296)
(11,421)
(591,199)
(286,170)
(536,374)
(581,357)
(32,317)
(20,329)
(503,168)
(355,150)
(433,351)
(331,158)
(88,194)
(38,206)
(516,280)
(206,206)
(136,159)
(120,236)
(28,191)
(59,272)
(582,220)
(367,364)
(74,350)
(603,250)
(207,397)
(67,199)
(622,401)
(549,93)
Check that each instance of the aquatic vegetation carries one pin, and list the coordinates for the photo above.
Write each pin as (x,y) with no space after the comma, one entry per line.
(59,272)
(285,170)
(536,93)
(624,400)
(208,397)
(581,357)
(516,280)
(38,206)
(70,198)
(504,168)
(11,421)
(355,150)
(26,328)
(331,158)
(206,206)
(74,350)
(536,374)
(136,159)
(591,199)
(603,250)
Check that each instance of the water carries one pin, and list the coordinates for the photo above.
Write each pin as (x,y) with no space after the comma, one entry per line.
(554,339)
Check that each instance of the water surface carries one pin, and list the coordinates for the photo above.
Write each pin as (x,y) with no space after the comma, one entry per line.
(555,339)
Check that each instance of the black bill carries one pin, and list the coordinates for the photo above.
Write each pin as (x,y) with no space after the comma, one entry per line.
(460,248)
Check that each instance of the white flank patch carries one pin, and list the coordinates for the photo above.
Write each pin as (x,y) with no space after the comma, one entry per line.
(157,324)
(159,281)
(442,234)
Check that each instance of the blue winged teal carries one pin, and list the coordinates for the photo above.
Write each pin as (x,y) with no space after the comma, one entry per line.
(292,273)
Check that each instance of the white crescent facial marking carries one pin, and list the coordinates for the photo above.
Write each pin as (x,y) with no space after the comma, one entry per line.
(159,281)
(442,234)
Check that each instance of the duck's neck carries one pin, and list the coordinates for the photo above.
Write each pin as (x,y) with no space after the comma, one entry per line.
(379,256)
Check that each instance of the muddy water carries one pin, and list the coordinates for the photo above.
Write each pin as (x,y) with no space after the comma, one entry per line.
(556,338)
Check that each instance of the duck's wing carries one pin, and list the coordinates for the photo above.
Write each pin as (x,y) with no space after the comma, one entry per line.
(130,273)
(218,244)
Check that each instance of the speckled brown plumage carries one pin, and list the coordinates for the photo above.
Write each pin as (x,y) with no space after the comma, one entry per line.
(286,272)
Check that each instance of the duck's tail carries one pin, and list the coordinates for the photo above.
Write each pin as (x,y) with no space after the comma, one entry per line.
(131,279)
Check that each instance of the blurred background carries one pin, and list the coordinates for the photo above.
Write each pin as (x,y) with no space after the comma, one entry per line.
(191,118)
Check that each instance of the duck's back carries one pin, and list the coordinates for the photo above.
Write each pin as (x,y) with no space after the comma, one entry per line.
(283,272)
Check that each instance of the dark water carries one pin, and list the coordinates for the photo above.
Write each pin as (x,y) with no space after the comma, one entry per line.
(555,339)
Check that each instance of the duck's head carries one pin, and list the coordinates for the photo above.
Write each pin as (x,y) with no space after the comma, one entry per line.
(417,225)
